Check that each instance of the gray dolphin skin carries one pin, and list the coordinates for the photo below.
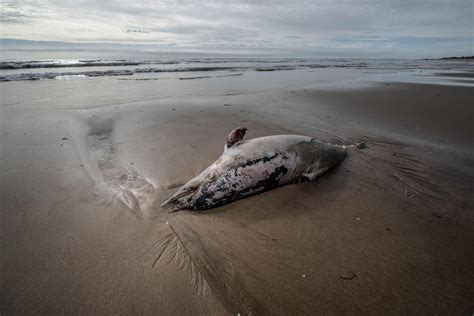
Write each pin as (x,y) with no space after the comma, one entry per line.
(256,165)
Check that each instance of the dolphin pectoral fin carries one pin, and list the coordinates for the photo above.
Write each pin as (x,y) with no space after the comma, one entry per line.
(235,136)
(311,177)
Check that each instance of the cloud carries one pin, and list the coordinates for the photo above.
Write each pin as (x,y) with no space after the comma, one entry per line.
(304,27)
(136,31)
(12,11)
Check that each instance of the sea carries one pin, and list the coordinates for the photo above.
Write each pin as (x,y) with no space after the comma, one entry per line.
(457,72)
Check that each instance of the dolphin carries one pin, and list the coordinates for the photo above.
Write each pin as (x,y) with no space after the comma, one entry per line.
(256,165)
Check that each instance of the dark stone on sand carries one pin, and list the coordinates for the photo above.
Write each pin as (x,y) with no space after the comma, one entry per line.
(64,138)
(347,275)
(226,104)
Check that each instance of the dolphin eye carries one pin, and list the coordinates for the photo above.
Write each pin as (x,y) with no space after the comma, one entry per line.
(211,176)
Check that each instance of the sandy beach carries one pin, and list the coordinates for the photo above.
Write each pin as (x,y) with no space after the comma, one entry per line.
(86,163)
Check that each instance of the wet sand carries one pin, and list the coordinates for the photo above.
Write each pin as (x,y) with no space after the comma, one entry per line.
(83,172)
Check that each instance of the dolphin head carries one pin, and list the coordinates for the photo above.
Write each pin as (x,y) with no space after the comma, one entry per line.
(186,195)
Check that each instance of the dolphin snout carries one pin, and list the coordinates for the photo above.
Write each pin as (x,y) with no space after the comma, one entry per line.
(184,197)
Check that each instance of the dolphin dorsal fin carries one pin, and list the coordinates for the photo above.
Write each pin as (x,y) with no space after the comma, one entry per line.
(236,135)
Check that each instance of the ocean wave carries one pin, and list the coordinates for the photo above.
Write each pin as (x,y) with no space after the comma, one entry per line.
(66,63)
(54,75)
(275,68)
(144,70)
(113,72)
(119,67)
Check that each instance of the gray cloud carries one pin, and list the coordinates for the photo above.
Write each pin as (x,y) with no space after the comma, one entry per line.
(375,28)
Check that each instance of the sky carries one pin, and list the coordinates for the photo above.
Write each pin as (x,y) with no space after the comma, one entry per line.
(319,28)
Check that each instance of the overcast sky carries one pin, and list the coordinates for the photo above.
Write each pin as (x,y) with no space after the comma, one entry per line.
(378,28)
